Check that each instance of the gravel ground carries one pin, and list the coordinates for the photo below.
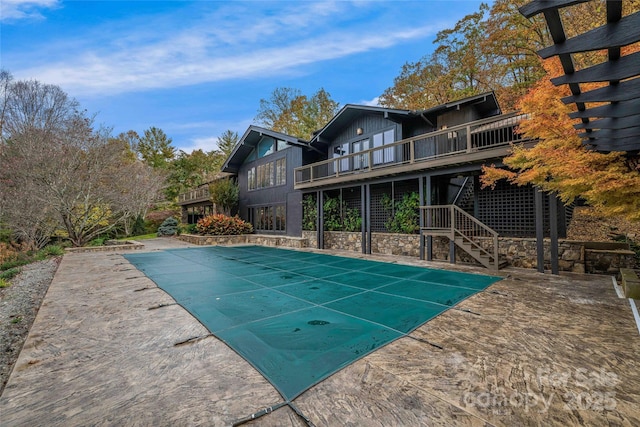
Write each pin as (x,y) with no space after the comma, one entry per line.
(19,304)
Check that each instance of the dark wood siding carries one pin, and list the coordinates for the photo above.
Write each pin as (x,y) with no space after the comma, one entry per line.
(276,195)
(370,124)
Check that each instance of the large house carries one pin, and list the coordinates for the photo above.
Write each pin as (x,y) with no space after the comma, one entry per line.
(365,154)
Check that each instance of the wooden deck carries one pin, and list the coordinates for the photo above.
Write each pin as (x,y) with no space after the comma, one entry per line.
(531,350)
(474,142)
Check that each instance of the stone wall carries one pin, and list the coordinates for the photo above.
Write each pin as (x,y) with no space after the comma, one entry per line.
(574,256)
(128,245)
(246,239)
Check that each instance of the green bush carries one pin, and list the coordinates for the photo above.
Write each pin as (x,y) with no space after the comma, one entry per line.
(53,250)
(404,215)
(222,225)
(98,241)
(12,264)
(4,283)
(338,216)
(188,228)
(309,212)
(10,273)
(169,227)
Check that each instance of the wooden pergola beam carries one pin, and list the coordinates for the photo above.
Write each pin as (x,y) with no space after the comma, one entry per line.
(612,35)
(626,67)
(622,91)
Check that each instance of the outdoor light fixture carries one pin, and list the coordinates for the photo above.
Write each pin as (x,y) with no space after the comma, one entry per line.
(359,131)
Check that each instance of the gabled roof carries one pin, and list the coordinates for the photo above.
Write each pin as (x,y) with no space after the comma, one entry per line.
(248,142)
(487,103)
(348,114)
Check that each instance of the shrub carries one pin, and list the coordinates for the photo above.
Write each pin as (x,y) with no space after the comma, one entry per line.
(222,225)
(404,214)
(169,227)
(4,283)
(10,273)
(154,219)
(188,228)
(53,250)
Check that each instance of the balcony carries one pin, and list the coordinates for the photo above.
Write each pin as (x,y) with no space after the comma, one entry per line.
(469,143)
(200,194)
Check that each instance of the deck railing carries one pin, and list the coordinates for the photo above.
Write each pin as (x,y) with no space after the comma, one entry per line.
(199,194)
(451,221)
(456,140)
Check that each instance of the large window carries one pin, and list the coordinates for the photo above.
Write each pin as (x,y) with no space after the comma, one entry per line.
(269,218)
(281,171)
(267,175)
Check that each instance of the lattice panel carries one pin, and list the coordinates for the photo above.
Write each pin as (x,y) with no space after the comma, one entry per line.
(508,209)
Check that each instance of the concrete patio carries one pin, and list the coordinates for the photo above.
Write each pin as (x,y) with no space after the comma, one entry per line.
(532,349)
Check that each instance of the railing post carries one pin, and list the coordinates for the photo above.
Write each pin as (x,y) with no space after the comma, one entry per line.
(310,173)
(412,151)
(496,252)
(370,155)
(469,147)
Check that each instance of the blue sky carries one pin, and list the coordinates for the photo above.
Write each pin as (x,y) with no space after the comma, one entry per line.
(197,68)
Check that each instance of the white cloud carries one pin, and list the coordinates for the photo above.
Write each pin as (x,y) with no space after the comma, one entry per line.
(375,102)
(12,10)
(229,43)
(204,144)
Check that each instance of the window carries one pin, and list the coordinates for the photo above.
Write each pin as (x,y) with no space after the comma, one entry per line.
(281,145)
(269,218)
(251,179)
(266,146)
(281,171)
(362,161)
(267,175)
(386,155)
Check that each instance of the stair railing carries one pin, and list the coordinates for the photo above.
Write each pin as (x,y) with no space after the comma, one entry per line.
(452,221)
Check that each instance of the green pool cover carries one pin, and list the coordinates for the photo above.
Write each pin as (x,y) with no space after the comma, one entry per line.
(299,317)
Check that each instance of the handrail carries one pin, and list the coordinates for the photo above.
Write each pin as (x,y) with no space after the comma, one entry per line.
(196,194)
(451,220)
(466,138)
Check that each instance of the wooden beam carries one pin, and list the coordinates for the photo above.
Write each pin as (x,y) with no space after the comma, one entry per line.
(610,123)
(615,144)
(538,6)
(539,206)
(611,133)
(623,68)
(617,109)
(622,91)
(614,34)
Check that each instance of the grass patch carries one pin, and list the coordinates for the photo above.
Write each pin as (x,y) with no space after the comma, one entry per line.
(16,319)
(4,283)
(141,237)
(10,273)
(7,265)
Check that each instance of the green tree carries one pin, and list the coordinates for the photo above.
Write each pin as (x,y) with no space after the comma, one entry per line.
(227,142)
(290,112)
(224,195)
(192,170)
(155,148)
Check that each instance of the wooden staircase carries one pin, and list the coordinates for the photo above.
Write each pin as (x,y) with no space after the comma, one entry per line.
(463,231)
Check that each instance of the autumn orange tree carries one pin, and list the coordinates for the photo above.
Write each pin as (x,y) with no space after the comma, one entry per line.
(560,163)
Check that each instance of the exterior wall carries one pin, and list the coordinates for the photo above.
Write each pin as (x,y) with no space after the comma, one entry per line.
(458,117)
(282,194)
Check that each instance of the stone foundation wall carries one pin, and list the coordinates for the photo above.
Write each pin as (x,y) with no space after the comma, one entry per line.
(129,245)
(574,256)
(246,239)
